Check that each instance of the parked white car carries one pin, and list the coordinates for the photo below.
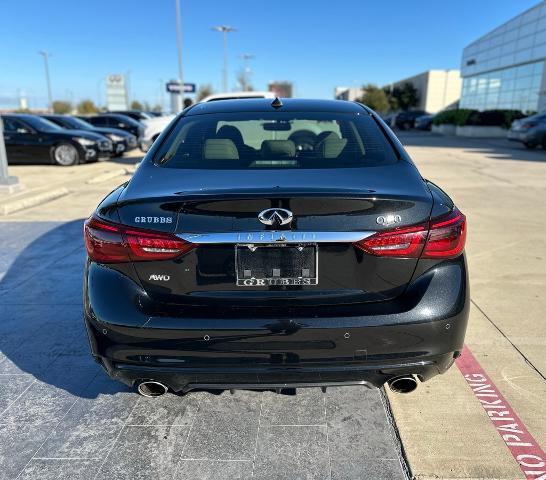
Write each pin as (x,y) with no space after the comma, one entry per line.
(236,95)
(153,129)
(155,126)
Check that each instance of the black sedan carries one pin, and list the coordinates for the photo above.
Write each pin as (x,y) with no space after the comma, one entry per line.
(32,139)
(122,141)
(424,122)
(234,258)
(134,114)
(406,120)
(114,120)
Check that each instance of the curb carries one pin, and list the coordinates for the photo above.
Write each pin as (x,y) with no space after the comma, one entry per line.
(15,206)
(107,176)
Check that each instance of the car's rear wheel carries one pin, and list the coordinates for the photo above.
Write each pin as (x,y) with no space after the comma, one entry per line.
(406,125)
(530,146)
(66,155)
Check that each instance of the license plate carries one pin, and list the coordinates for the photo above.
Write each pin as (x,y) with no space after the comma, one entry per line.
(270,265)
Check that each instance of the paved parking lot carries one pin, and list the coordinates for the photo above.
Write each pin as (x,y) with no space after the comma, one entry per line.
(63,418)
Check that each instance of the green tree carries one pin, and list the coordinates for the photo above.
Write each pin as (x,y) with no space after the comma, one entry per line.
(393,101)
(61,106)
(204,91)
(136,105)
(375,98)
(86,106)
(406,96)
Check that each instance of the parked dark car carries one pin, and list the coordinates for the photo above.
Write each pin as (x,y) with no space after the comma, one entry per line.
(115,120)
(32,139)
(424,122)
(531,131)
(134,114)
(122,141)
(406,120)
(235,259)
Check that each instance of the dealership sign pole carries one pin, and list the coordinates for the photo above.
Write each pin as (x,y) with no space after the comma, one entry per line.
(7,184)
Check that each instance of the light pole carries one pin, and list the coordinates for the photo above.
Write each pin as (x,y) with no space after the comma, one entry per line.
(225,29)
(7,184)
(46,56)
(128,88)
(179,47)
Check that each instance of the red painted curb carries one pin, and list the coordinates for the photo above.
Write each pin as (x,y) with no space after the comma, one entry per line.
(523,447)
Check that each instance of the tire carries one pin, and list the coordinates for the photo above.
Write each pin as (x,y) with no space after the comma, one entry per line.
(65,155)
(544,142)
(406,126)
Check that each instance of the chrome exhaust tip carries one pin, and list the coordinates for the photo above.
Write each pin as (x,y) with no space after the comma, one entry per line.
(403,384)
(152,389)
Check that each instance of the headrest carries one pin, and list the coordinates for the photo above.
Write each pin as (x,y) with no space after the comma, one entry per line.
(220,149)
(330,146)
(230,132)
(277,149)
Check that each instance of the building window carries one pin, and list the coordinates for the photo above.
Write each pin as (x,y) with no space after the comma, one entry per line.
(511,88)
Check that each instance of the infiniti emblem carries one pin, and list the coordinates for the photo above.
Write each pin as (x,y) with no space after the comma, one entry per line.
(275,216)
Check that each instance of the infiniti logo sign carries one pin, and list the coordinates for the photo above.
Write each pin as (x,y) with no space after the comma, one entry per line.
(275,216)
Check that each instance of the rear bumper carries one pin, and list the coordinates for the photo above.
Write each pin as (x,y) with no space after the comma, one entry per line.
(419,333)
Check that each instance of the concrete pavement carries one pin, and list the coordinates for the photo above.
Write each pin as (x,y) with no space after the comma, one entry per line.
(501,188)
(61,417)
(76,423)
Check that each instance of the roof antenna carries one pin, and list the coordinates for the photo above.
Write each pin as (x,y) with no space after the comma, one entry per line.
(276,103)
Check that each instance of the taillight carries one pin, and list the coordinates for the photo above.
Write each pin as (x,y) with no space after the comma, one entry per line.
(442,238)
(446,237)
(528,125)
(108,242)
(401,242)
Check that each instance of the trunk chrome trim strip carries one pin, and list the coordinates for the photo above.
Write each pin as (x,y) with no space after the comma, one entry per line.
(274,236)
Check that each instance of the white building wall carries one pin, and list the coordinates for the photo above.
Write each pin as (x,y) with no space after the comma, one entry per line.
(437,89)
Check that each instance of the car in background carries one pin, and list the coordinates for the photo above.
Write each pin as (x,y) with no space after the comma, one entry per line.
(424,122)
(116,120)
(135,114)
(155,114)
(152,130)
(32,139)
(122,141)
(234,259)
(531,131)
(406,120)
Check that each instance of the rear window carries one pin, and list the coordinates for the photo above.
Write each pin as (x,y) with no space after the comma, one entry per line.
(275,140)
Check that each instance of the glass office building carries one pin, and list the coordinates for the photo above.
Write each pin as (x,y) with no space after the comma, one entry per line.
(505,68)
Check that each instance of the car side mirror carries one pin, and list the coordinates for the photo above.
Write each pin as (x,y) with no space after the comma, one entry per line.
(22,130)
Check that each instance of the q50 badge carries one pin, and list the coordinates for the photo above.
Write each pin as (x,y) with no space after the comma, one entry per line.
(386,220)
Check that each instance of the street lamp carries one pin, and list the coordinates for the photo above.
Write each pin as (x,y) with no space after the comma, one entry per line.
(8,184)
(46,56)
(225,29)
(179,47)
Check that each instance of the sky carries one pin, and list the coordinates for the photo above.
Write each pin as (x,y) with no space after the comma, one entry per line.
(316,44)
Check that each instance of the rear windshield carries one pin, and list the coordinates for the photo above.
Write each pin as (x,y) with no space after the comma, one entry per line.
(275,140)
